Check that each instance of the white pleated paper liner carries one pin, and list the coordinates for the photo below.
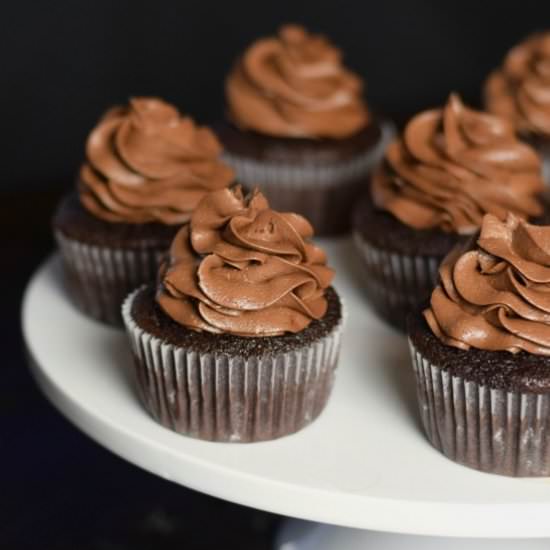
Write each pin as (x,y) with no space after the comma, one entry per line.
(217,397)
(322,192)
(396,284)
(545,155)
(100,278)
(488,429)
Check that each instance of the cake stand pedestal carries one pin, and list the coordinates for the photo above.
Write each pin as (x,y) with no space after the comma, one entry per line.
(298,534)
(364,464)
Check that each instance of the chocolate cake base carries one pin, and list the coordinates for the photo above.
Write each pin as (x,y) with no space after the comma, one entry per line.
(297,151)
(103,262)
(400,263)
(486,410)
(77,223)
(226,387)
(320,179)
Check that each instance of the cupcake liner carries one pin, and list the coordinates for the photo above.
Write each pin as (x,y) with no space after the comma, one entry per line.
(217,397)
(545,156)
(253,172)
(323,192)
(396,284)
(100,278)
(488,429)
(542,147)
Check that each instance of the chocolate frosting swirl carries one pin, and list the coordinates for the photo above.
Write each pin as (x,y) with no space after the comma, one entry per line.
(496,295)
(241,268)
(147,163)
(294,85)
(520,90)
(454,165)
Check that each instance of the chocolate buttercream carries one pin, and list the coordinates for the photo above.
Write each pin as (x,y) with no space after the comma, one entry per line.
(454,165)
(495,294)
(147,163)
(520,90)
(294,85)
(241,268)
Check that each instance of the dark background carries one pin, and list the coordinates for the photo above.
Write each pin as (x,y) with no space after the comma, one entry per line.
(62,64)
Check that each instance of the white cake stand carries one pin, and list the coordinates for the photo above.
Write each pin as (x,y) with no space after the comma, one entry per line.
(364,464)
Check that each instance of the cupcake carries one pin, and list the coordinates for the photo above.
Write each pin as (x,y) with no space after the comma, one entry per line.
(299,128)
(147,168)
(481,351)
(239,340)
(449,168)
(519,91)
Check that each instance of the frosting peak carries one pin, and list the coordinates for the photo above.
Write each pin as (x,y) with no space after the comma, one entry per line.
(520,89)
(452,166)
(241,268)
(495,295)
(294,85)
(146,163)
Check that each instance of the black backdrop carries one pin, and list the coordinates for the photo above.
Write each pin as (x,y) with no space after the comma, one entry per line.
(65,61)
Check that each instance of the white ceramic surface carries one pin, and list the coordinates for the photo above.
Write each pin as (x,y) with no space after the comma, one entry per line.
(364,463)
(297,534)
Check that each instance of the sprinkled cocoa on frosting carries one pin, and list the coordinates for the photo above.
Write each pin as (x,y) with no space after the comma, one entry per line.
(241,268)
(495,294)
(454,165)
(147,163)
(520,90)
(294,85)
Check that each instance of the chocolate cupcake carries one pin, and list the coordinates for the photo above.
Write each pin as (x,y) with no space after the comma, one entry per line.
(519,91)
(481,352)
(239,341)
(299,128)
(450,167)
(147,168)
